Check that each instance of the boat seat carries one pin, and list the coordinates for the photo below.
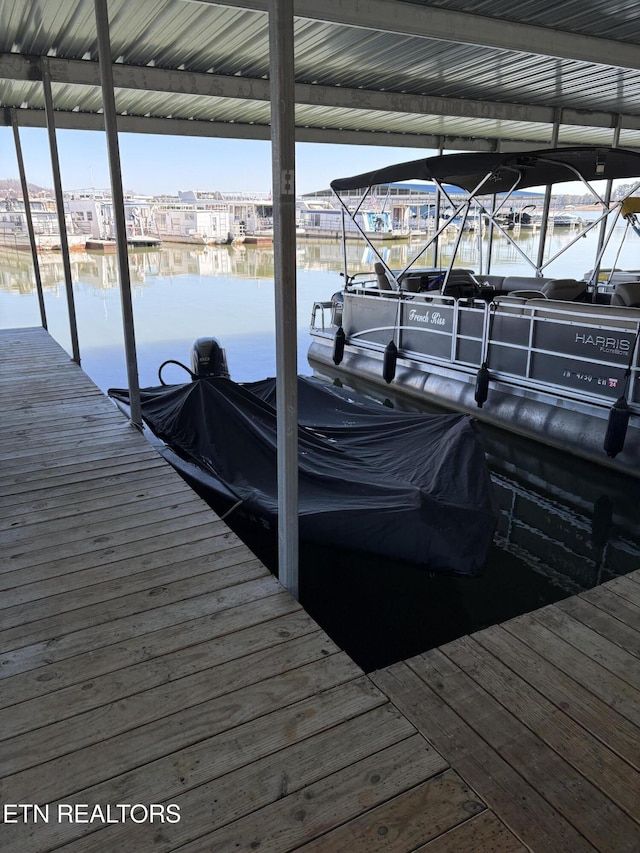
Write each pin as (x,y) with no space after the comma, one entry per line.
(510,299)
(494,281)
(411,283)
(627,293)
(460,282)
(527,294)
(523,282)
(381,277)
(566,289)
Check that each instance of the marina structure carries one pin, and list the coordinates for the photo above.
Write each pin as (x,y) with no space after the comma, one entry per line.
(151,666)
(14,231)
(194,217)
(201,217)
(148,658)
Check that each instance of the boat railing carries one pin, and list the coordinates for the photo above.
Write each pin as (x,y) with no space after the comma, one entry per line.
(582,348)
(322,310)
(577,350)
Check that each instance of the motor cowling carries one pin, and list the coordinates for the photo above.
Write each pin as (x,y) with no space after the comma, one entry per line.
(208,359)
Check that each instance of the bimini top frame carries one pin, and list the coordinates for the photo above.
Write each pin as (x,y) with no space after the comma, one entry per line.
(486,175)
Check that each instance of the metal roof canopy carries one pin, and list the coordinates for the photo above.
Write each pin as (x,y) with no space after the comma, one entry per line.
(452,74)
(457,74)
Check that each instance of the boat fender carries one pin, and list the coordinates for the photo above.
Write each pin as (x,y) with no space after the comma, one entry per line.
(482,386)
(338,346)
(616,427)
(389,362)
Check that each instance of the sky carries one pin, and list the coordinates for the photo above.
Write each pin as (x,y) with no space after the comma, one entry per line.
(155,165)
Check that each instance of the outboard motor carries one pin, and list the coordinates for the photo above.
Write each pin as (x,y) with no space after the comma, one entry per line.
(208,359)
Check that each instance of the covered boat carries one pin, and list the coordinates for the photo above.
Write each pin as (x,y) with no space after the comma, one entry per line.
(554,359)
(412,487)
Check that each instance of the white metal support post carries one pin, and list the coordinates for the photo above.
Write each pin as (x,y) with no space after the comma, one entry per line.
(437,210)
(615,142)
(282,80)
(57,186)
(27,210)
(117,195)
(546,204)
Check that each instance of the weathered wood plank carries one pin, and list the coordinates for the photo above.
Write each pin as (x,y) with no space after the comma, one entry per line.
(89,461)
(610,616)
(249,765)
(484,832)
(98,690)
(57,507)
(97,522)
(80,412)
(48,597)
(86,666)
(416,691)
(345,795)
(77,484)
(92,728)
(572,661)
(597,717)
(605,770)
(63,646)
(34,566)
(582,804)
(33,484)
(28,458)
(405,821)
(203,547)
(136,603)
(215,708)
(620,598)
(614,658)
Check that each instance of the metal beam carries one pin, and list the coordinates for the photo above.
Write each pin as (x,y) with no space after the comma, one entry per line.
(62,226)
(86,73)
(238,130)
(431,22)
(117,195)
(27,210)
(284,261)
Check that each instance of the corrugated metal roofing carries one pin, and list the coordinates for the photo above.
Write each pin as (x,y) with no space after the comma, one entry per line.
(378,77)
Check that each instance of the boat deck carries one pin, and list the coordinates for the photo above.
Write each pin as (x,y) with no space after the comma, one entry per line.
(147,658)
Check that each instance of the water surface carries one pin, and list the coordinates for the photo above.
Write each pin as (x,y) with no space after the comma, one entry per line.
(564,525)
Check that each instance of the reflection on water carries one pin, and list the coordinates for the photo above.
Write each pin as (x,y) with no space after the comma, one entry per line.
(563,525)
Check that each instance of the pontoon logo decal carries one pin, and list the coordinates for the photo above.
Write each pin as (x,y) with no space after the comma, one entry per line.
(613,346)
(434,318)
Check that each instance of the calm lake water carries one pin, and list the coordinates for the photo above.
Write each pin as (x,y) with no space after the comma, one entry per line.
(564,526)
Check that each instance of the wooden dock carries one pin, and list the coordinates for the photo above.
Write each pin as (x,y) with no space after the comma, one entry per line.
(148,660)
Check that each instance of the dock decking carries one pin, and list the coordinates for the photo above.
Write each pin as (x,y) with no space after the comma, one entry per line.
(147,657)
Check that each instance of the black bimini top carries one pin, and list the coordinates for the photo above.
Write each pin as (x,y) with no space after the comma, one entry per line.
(503,171)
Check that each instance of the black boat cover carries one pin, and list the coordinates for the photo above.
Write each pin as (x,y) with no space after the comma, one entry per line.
(524,169)
(410,486)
